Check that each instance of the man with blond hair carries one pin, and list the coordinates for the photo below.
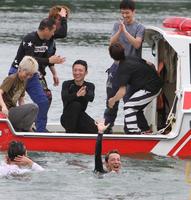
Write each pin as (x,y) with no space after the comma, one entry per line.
(12,91)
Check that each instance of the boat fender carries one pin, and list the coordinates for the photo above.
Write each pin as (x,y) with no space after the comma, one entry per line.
(179,23)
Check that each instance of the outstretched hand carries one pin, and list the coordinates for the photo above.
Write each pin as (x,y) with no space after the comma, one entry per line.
(101,126)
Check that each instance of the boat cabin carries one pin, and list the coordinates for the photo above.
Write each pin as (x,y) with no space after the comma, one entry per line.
(169,48)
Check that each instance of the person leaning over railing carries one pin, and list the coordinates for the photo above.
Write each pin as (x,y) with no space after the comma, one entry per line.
(12,90)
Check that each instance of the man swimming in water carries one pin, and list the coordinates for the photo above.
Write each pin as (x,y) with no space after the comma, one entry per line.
(17,162)
(112,158)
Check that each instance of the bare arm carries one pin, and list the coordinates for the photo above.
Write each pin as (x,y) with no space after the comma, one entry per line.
(119,95)
(54,75)
(135,41)
(2,103)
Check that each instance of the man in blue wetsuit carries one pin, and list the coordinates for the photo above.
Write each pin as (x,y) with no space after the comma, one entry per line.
(112,158)
(36,44)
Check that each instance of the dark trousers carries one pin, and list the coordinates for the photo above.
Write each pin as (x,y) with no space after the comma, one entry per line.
(37,94)
(75,120)
(22,117)
(112,87)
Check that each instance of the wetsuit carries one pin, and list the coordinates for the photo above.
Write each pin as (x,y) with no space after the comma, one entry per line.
(74,118)
(98,158)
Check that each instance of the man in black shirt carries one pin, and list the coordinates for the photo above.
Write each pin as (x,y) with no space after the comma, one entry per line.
(76,94)
(136,73)
(36,44)
(112,158)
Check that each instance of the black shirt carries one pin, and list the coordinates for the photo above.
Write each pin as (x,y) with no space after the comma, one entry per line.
(137,73)
(32,45)
(70,89)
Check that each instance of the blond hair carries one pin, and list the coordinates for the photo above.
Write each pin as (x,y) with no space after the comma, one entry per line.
(28,64)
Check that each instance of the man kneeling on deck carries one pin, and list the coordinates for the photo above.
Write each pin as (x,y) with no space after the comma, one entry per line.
(12,91)
(76,94)
(146,85)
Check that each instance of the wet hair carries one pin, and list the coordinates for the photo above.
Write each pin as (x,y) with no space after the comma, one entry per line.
(109,153)
(16,149)
(81,62)
(127,4)
(28,64)
(47,23)
(54,11)
(117,51)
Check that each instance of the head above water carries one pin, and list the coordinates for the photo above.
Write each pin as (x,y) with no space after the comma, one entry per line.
(117,51)
(113,160)
(16,149)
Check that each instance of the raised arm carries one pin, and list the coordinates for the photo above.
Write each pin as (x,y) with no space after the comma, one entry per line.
(2,103)
(119,95)
(61,32)
(136,41)
(98,149)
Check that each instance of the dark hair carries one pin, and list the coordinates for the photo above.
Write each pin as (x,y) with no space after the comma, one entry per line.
(81,62)
(47,23)
(117,51)
(15,149)
(109,153)
(127,4)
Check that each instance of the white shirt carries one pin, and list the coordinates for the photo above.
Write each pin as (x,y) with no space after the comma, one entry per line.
(9,169)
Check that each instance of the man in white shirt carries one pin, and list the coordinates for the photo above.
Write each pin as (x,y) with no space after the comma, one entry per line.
(17,162)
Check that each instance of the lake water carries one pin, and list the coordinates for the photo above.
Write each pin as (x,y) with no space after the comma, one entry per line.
(69,176)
